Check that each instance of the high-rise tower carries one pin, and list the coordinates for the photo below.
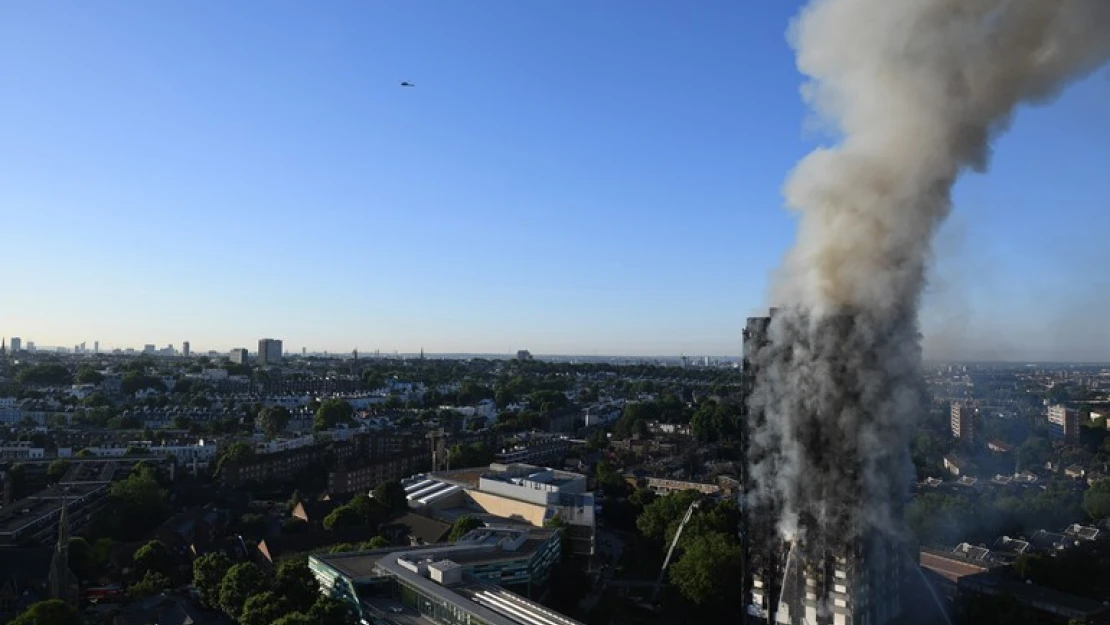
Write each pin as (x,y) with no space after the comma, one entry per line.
(842,564)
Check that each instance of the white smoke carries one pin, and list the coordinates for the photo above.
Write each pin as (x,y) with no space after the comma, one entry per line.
(915,90)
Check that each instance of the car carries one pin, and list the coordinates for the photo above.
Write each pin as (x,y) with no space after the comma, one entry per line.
(396,610)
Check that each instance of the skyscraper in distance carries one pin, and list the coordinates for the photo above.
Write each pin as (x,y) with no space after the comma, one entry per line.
(269,352)
(185,349)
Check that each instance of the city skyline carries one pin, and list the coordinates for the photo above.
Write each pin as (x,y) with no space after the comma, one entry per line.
(620,196)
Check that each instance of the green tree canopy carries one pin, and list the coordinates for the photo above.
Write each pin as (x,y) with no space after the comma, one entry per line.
(392,494)
(51,612)
(708,568)
(234,453)
(153,557)
(331,413)
(462,525)
(296,582)
(466,456)
(296,618)
(273,420)
(208,571)
(330,610)
(241,582)
(151,583)
(88,375)
(263,608)
(57,470)
(1096,501)
(44,374)
(661,517)
(139,503)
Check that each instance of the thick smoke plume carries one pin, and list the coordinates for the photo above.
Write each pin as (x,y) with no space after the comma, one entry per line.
(914,90)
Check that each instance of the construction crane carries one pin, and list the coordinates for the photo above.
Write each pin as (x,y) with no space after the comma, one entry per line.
(670,551)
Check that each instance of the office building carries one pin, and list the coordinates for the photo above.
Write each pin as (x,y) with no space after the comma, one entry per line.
(962,421)
(185,349)
(1063,424)
(239,356)
(96,347)
(269,352)
(482,579)
(149,348)
(525,493)
(17,344)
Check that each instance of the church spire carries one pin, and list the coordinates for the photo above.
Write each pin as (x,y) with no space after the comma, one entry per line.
(63,583)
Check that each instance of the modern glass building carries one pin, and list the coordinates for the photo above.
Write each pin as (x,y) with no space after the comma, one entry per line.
(471,582)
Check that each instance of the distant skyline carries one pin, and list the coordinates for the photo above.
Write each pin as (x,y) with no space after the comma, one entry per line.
(572,178)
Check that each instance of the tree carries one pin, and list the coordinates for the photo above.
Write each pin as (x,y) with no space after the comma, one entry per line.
(377,542)
(88,375)
(392,494)
(331,611)
(661,517)
(139,503)
(152,583)
(296,582)
(45,374)
(1096,501)
(241,582)
(707,568)
(234,453)
(273,420)
(609,479)
(208,571)
(462,525)
(153,557)
(466,456)
(263,608)
(51,612)
(331,413)
(296,618)
(57,470)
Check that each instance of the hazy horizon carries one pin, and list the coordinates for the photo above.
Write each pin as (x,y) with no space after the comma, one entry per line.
(221,173)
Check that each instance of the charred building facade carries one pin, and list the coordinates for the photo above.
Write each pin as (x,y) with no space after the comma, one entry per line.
(814,553)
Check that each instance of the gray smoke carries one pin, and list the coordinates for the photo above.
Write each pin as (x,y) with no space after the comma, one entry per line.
(914,90)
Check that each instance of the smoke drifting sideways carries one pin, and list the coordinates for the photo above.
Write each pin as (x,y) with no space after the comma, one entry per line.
(914,91)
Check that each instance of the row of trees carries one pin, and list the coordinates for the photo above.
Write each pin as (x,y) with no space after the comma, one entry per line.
(246,594)
(939,518)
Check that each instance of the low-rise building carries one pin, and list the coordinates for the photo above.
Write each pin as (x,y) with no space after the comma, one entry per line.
(34,520)
(483,579)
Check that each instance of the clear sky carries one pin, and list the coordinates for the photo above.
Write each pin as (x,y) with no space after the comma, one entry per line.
(566,177)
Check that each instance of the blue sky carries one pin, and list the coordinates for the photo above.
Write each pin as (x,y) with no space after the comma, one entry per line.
(567,177)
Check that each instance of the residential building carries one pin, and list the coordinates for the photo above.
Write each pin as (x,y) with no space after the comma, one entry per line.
(239,356)
(1063,424)
(840,569)
(34,520)
(963,421)
(380,469)
(539,450)
(663,486)
(269,352)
